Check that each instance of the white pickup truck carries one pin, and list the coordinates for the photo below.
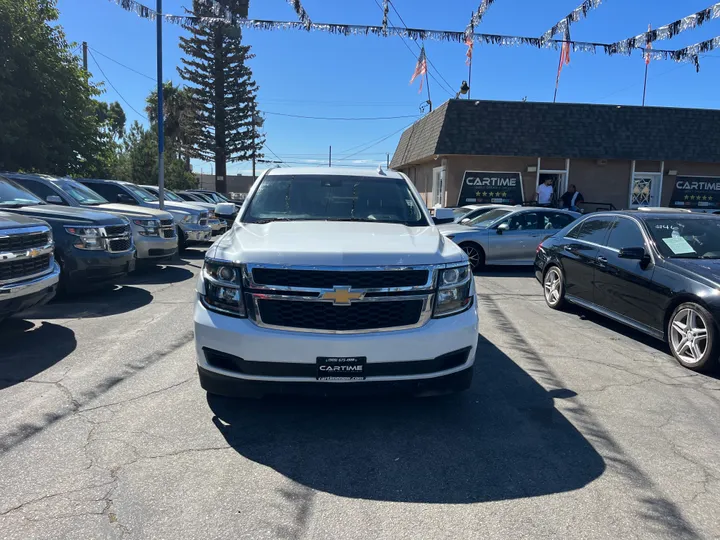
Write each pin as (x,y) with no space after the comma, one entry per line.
(334,282)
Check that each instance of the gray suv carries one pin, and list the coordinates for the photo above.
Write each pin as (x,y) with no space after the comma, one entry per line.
(153,230)
(191,221)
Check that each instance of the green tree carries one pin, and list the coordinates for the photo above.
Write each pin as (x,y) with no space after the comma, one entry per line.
(224,94)
(178,116)
(46,105)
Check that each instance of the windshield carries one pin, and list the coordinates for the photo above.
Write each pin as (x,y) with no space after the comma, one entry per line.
(459,212)
(141,193)
(12,195)
(486,219)
(682,237)
(334,198)
(170,196)
(202,197)
(82,194)
(214,197)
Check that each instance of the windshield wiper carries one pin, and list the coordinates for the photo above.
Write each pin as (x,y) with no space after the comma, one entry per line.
(270,220)
(686,256)
(18,204)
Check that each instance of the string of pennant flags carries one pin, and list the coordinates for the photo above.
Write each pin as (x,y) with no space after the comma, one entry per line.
(625,47)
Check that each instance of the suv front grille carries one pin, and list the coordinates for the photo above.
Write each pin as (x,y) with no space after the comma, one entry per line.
(24,268)
(119,244)
(17,242)
(166,223)
(168,233)
(318,279)
(329,317)
(117,230)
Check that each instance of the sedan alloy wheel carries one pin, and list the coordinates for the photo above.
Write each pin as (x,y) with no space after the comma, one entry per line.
(689,335)
(475,256)
(553,288)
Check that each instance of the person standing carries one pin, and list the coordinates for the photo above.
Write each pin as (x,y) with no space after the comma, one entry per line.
(572,198)
(544,193)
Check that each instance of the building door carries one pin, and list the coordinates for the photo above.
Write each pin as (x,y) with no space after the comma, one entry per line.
(645,190)
(438,186)
(559,185)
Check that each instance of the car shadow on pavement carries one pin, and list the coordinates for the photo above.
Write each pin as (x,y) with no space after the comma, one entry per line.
(26,349)
(108,300)
(506,271)
(158,275)
(503,439)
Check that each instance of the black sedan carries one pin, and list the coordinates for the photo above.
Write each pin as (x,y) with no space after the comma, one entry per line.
(658,272)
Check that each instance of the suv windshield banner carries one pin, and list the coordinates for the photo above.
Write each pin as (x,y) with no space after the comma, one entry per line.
(480,187)
(696,192)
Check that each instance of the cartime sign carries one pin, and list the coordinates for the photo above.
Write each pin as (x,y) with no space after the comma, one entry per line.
(696,192)
(480,187)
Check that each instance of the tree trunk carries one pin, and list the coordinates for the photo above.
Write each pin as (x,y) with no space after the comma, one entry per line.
(220,150)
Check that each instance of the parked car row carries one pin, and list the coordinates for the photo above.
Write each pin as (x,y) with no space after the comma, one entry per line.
(59,234)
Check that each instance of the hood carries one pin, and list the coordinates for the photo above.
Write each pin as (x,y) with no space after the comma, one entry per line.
(707,270)
(201,205)
(454,228)
(68,215)
(183,207)
(133,211)
(332,243)
(15,221)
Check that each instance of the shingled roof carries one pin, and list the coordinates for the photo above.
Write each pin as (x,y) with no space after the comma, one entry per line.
(562,130)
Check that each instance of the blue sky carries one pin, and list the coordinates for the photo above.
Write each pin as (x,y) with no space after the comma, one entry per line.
(317,74)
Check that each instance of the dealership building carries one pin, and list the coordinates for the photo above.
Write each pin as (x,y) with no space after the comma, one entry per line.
(471,151)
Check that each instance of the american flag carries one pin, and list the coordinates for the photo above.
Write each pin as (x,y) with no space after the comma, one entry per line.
(420,68)
(648,48)
(564,55)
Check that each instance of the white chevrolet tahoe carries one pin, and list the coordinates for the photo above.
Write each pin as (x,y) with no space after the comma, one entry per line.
(334,282)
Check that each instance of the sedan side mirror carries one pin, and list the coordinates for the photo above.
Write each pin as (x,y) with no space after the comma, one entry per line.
(465,220)
(54,199)
(502,228)
(634,253)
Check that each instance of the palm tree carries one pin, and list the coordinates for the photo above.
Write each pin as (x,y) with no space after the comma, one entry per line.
(179,119)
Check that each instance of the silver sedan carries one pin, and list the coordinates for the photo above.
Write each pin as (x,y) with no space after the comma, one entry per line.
(508,235)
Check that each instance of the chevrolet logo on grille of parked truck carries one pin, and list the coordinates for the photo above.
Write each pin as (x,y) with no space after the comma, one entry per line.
(342,296)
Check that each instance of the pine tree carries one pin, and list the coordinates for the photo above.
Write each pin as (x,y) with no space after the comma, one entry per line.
(224,93)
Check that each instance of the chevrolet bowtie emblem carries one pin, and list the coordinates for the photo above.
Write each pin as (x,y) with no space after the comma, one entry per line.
(342,296)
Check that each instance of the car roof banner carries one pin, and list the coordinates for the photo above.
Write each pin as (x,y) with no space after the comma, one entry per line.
(696,192)
(480,187)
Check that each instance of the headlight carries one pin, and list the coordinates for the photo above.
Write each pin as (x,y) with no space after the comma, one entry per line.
(454,291)
(211,214)
(222,291)
(148,227)
(191,218)
(87,237)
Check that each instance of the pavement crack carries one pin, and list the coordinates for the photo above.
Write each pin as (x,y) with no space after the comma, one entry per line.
(141,396)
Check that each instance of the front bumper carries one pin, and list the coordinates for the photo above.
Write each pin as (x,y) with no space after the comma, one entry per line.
(287,358)
(83,268)
(155,247)
(218,227)
(196,233)
(20,296)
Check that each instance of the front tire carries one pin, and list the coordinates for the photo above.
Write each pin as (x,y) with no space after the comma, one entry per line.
(693,337)
(476,255)
(182,243)
(554,288)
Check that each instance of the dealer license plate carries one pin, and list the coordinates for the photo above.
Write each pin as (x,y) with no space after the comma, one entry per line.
(341,368)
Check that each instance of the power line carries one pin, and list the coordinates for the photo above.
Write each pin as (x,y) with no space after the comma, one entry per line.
(273,153)
(116,90)
(375,143)
(392,5)
(341,117)
(415,56)
(123,65)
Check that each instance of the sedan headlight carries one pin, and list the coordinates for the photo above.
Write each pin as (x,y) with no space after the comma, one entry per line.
(454,291)
(147,227)
(220,289)
(87,237)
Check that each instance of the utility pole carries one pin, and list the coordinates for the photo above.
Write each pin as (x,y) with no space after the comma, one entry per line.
(85,66)
(330,157)
(387,155)
(160,114)
(254,135)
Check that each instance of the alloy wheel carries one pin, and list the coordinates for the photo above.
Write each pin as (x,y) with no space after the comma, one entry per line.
(689,335)
(473,255)
(552,286)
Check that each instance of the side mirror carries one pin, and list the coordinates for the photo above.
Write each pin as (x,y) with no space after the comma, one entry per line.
(634,253)
(123,198)
(465,220)
(54,199)
(226,211)
(502,228)
(443,215)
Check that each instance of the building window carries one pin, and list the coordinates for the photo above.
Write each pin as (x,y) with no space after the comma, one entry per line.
(646,190)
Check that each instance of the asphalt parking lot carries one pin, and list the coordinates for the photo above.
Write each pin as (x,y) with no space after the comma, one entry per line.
(575,427)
